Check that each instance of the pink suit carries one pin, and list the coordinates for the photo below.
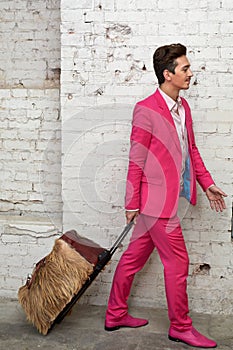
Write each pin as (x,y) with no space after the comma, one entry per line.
(153,187)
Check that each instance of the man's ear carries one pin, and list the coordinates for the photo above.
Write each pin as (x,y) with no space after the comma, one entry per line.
(167,75)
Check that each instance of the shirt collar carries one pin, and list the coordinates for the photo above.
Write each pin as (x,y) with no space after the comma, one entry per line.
(170,102)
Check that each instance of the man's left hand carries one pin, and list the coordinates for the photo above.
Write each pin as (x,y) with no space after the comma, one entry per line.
(215,196)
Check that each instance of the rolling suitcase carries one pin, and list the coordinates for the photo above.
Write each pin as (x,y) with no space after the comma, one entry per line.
(61,278)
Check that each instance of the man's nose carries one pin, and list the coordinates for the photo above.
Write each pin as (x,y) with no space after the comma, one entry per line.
(190,73)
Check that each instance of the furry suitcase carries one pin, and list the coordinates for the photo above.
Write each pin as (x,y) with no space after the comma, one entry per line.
(60,279)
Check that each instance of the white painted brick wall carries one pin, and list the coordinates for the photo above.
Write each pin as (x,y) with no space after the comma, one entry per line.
(30,182)
(106,53)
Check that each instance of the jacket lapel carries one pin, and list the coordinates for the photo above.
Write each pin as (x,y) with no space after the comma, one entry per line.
(188,121)
(164,111)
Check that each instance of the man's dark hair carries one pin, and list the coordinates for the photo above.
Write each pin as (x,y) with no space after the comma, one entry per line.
(165,58)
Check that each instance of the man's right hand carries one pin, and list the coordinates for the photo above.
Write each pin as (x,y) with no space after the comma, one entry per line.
(131,215)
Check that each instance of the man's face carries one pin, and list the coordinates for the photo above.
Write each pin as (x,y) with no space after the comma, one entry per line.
(182,77)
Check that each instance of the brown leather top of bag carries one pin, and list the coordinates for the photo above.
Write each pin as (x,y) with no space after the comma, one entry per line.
(84,246)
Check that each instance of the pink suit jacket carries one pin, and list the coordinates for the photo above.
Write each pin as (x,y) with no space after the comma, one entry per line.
(155,160)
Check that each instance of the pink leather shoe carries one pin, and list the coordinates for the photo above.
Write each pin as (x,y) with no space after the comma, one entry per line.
(191,337)
(126,321)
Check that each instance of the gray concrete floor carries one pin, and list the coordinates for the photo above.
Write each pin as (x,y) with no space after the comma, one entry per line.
(84,330)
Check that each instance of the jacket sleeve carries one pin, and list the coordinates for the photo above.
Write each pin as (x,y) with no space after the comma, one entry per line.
(139,144)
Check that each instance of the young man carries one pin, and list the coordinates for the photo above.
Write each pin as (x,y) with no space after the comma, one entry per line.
(164,164)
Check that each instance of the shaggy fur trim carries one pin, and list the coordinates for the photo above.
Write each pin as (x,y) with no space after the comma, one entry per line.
(56,282)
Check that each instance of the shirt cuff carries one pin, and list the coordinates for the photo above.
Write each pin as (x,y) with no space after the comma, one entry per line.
(132,209)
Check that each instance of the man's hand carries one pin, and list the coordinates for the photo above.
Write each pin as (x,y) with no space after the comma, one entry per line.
(215,196)
(131,215)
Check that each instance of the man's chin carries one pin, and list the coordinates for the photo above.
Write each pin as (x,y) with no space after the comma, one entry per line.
(186,87)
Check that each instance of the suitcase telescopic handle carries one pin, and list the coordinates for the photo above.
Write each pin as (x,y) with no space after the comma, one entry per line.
(107,254)
(121,237)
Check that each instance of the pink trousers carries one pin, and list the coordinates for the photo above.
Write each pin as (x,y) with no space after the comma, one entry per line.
(166,235)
